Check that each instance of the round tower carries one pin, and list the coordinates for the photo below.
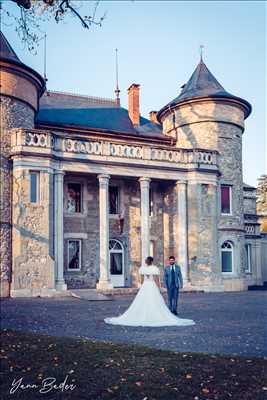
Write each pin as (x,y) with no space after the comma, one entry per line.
(206,116)
(21,88)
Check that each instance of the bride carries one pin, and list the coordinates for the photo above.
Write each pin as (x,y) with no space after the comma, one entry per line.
(148,307)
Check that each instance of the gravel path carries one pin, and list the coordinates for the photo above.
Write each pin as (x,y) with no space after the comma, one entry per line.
(226,323)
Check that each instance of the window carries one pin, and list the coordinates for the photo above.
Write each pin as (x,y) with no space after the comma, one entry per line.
(113,200)
(74,198)
(227,257)
(151,203)
(226,203)
(34,187)
(248,258)
(74,255)
(115,257)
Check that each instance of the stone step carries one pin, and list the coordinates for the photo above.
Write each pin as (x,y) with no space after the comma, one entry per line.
(90,295)
(133,291)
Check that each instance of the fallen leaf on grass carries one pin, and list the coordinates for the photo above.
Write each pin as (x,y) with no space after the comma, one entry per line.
(188,376)
(205,390)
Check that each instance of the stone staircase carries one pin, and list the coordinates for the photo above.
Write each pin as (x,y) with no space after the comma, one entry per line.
(258,287)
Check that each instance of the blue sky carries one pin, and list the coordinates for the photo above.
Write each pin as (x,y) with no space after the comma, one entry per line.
(158,46)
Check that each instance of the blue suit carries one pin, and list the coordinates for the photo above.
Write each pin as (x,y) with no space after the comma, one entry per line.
(173,282)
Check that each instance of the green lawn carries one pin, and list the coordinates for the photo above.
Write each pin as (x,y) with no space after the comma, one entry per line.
(101,370)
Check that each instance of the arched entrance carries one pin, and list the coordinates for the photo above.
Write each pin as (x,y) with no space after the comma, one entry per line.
(116,263)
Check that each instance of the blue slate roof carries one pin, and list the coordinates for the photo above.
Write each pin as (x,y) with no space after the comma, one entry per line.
(63,109)
(203,84)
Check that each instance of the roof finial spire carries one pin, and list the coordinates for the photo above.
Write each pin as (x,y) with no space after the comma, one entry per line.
(45,77)
(117,90)
(201,47)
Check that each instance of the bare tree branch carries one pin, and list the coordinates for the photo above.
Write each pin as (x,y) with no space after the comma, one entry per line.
(34,12)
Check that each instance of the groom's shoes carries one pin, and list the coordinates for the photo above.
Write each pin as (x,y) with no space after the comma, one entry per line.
(174,312)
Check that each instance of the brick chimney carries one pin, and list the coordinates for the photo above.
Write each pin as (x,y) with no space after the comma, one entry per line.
(153,117)
(133,103)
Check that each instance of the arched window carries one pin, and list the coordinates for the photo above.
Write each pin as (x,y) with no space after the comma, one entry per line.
(116,257)
(227,257)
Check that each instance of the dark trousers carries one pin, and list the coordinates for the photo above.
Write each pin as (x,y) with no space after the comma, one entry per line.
(173,294)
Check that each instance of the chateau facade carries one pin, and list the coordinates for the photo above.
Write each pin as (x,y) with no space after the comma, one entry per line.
(89,189)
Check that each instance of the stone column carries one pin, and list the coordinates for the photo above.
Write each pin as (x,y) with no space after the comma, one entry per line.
(145,231)
(104,280)
(59,230)
(182,230)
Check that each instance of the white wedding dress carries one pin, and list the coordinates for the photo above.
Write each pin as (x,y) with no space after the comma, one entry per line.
(148,308)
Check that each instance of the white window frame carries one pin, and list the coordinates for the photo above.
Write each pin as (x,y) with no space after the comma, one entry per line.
(230,198)
(37,173)
(249,259)
(121,251)
(229,251)
(80,260)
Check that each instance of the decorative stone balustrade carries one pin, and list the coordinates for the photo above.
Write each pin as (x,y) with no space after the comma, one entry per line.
(47,140)
(250,229)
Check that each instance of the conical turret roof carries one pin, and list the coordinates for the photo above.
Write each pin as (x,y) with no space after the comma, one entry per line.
(9,60)
(6,51)
(202,84)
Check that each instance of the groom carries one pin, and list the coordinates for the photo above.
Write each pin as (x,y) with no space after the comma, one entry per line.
(173,281)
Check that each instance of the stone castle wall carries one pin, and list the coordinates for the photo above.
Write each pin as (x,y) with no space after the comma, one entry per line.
(249,202)
(213,126)
(232,227)
(13,113)
(196,125)
(32,236)
(18,86)
(202,235)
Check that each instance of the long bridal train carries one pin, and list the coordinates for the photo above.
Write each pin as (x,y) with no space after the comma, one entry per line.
(148,307)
